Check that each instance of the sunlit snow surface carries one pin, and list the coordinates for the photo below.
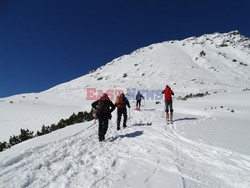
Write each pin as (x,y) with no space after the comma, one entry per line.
(207,146)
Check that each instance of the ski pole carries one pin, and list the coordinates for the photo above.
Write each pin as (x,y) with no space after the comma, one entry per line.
(129,113)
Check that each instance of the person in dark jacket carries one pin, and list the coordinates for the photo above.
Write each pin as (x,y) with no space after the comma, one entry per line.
(138,100)
(168,102)
(121,103)
(104,107)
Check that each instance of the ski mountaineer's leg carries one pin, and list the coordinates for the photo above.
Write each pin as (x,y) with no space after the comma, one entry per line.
(125,116)
(119,116)
(171,111)
(105,127)
(139,105)
(101,127)
(166,106)
(167,114)
(171,118)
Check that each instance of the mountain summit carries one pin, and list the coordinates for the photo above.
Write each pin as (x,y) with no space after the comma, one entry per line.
(209,63)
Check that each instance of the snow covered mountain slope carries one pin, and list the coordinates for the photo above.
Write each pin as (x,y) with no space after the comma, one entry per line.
(206,147)
(211,63)
(146,154)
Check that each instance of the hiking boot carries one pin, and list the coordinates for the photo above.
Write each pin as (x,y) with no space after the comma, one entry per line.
(101,139)
(118,128)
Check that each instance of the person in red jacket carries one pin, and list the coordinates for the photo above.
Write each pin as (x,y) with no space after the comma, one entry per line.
(168,102)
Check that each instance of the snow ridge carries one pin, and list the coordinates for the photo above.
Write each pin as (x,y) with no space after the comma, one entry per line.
(214,63)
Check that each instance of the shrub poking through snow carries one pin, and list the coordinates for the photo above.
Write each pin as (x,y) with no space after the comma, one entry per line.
(26,134)
(191,95)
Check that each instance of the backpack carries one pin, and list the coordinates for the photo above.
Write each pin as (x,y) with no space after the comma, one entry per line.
(138,96)
(168,93)
(103,105)
(120,103)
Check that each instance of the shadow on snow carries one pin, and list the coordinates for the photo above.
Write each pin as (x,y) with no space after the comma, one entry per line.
(142,124)
(129,135)
(185,118)
(148,109)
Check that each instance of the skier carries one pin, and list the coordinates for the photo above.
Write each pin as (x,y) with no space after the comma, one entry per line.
(104,107)
(138,100)
(169,103)
(121,103)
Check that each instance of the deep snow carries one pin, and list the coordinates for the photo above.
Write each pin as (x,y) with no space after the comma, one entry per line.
(207,146)
(149,153)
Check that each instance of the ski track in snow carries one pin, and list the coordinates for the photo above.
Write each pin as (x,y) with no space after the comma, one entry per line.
(148,147)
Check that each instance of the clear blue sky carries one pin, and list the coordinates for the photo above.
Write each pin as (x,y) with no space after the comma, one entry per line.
(48,42)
